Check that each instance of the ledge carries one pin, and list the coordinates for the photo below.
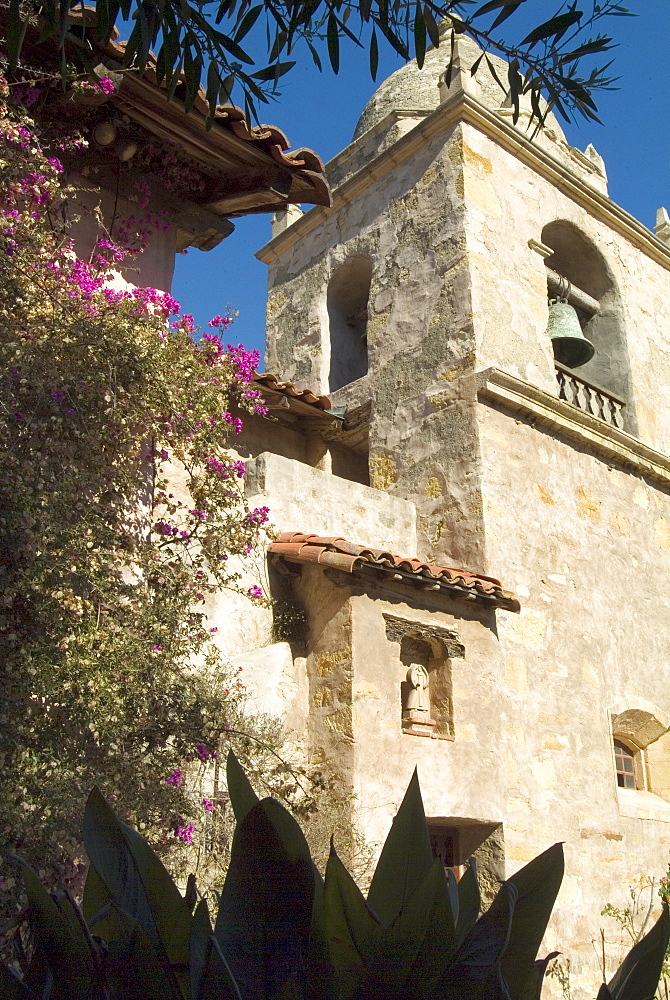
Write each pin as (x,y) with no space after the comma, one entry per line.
(551,413)
(636,804)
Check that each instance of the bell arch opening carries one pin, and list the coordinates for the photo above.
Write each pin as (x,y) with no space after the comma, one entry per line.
(578,272)
(347,303)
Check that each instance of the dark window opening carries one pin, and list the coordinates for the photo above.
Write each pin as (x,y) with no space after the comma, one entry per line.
(348,294)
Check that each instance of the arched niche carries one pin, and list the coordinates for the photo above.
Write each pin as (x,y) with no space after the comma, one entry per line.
(576,258)
(347,301)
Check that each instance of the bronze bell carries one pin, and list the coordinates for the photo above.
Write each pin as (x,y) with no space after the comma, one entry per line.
(571,348)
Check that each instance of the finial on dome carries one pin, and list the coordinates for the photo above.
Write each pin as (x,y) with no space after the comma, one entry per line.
(458,77)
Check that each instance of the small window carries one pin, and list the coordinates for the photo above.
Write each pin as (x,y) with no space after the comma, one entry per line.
(626,766)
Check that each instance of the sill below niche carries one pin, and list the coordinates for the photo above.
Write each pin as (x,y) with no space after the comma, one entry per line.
(430,736)
(638,804)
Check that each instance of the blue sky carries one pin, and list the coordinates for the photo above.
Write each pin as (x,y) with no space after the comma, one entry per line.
(320,110)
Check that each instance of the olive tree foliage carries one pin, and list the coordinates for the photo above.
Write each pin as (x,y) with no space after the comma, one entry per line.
(243,46)
(110,673)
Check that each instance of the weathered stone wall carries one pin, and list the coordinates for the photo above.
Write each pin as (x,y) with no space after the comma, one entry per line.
(585,546)
(420,338)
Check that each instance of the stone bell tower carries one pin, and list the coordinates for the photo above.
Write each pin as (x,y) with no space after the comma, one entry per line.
(420,304)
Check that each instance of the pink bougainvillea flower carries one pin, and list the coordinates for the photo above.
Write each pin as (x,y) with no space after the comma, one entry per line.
(185,833)
(175,778)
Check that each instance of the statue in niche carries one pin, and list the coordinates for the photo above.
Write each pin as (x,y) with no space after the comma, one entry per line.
(417,695)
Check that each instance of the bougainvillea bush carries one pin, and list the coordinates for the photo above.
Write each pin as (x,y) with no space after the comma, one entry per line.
(109,672)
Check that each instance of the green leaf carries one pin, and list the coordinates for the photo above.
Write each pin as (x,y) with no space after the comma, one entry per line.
(132,968)
(11,988)
(405,859)
(96,896)
(508,8)
(537,884)
(352,930)
(475,971)
(469,901)
(431,26)
(266,904)
(62,945)
(210,977)
(374,55)
(421,942)
(242,796)
(273,72)
(16,32)
(419,35)
(248,22)
(555,26)
(138,883)
(638,975)
(333,37)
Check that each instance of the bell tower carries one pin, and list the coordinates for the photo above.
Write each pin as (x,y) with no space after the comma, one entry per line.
(533,439)
(449,235)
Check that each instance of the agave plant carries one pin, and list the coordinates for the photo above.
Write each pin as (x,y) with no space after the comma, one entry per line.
(282,932)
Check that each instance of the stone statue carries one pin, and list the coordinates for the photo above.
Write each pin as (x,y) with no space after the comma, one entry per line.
(417,697)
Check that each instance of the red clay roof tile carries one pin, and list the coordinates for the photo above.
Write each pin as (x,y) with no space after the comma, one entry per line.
(288,389)
(339,553)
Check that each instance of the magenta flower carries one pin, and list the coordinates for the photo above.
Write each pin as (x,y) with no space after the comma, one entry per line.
(204,753)
(175,778)
(185,833)
(208,805)
(255,592)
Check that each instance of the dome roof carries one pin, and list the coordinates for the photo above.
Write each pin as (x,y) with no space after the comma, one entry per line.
(414,89)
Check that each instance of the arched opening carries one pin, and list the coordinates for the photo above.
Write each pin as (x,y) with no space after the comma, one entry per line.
(348,294)
(602,386)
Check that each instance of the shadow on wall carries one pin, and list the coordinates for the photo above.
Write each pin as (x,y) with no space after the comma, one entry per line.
(348,294)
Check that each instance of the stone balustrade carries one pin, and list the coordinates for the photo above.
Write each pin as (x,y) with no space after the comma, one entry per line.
(588,396)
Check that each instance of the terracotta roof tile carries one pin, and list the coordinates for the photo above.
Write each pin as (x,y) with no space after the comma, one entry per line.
(288,389)
(339,553)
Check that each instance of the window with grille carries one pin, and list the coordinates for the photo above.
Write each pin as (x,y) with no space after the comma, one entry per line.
(626,765)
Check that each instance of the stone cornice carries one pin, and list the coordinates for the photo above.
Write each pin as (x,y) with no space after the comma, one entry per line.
(550,412)
(462,107)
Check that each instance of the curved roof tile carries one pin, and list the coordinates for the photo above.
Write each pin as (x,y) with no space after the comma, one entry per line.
(339,553)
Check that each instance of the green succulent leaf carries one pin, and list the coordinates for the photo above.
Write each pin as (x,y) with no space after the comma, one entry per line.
(405,860)
(421,942)
(242,796)
(133,971)
(265,911)
(211,978)
(138,883)
(638,975)
(353,931)
(537,884)
(62,946)
(475,972)
(11,987)
(469,901)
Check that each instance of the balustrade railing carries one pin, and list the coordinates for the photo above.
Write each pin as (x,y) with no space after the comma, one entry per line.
(589,397)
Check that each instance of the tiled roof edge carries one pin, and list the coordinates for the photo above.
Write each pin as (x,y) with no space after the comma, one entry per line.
(339,553)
